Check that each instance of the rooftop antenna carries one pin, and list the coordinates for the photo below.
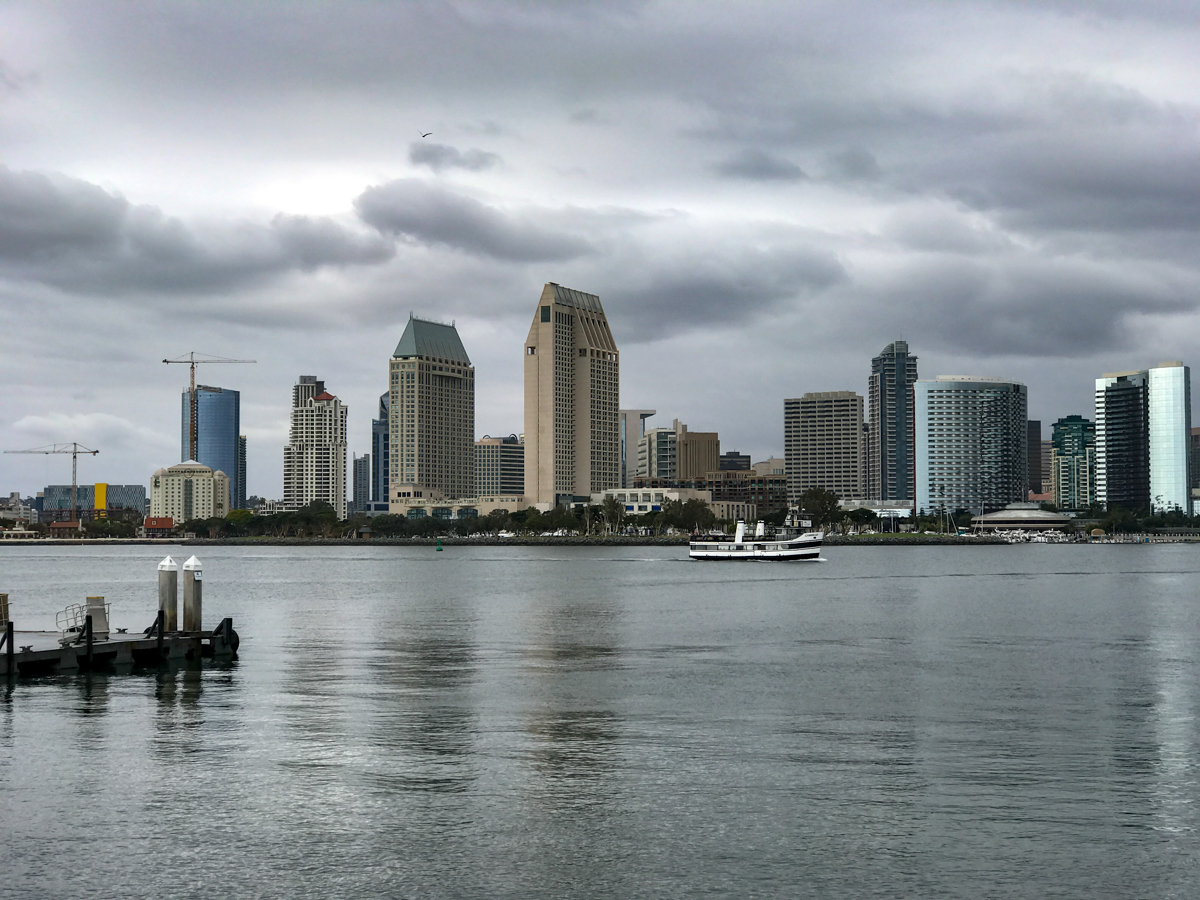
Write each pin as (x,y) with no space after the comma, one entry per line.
(194,359)
(72,448)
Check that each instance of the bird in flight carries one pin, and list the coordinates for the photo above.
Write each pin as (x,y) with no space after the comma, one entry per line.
(427,134)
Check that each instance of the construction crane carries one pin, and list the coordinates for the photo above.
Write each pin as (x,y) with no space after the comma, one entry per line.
(194,359)
(72,448)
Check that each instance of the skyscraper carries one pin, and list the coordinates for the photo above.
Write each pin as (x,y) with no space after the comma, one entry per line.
(1073,462)
(971,443)
(218,429)
(380,452)
(890,438)
(1143,432)
(362,482)
(238,501)
(1033,444)
(431,411)
(631,427)
(314,461)
(823,444)
(572,397)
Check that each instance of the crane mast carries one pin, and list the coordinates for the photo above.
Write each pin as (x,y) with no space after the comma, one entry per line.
(74,449)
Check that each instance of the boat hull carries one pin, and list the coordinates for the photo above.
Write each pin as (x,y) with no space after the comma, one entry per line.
(806,546)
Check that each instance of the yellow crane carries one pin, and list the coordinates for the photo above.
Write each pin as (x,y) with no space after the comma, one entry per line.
(192,360)
(72,448)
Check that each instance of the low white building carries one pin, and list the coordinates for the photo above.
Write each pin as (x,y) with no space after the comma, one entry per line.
(189,491)
(639,501)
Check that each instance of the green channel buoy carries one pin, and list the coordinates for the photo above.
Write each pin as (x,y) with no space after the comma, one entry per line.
(439,545)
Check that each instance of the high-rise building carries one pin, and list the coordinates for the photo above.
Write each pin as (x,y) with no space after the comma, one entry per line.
(971,443)
(499,466)
(890,424)
(656,454)
(1034,443)
(732,461)
(432,411)
(94,500)
(1143,438)
(218,429)
(572,398)
(631,425)
(696,453)
(823,444)
(1194,458)
(361,466)
(1047,451)
(189,491)
(314,461)
(1073,462)
(238,500)
(380,453)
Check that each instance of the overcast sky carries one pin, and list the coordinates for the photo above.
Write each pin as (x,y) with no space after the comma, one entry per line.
(762,195)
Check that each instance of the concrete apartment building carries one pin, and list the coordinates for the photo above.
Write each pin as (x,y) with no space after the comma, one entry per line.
(431,412)
(971,443)
(823,441)
(314,461)
(189,491)
(891,420)
(500,466)
(572,399)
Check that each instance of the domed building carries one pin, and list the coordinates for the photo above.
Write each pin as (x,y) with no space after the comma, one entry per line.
(189,491)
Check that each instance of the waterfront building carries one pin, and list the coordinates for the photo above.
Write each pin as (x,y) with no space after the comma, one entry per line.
(431,411)
(314,461)
(971,443)
(189,491)
(218,432)
(572,398)
(499,466)
(1073,462)
(639,502)
(1047,451)
(1169,427)
(1194,458)
(734,461)
(890,425)
(676,454)
(631,425)
(1143,438)
(823,444)
(417,503)
(92,501)
(380,452)
(361,467)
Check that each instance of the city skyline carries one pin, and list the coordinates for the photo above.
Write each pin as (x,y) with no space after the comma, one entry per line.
(1033,215)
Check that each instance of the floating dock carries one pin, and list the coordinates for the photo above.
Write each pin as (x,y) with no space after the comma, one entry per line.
(84,641)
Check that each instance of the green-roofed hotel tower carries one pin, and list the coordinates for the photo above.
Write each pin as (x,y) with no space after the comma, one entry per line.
(431,429)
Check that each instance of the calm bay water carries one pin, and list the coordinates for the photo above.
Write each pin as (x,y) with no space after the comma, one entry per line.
(562,722)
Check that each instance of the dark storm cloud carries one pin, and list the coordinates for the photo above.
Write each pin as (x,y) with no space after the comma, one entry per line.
(757,165)
(854,164)
(76,236)
(440,156)
(428,214)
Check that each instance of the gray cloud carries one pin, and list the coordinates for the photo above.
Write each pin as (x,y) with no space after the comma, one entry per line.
(854,164)
(757,165)
(76,236)
(429,214)
(439,157)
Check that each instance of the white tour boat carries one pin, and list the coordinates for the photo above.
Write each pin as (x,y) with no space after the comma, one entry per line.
(805,546)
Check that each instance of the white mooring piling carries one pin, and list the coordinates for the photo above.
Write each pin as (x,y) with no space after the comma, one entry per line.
(193,573)
(168,593)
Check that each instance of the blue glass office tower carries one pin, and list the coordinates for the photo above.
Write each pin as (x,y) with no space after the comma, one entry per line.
(218,429)
(379,451)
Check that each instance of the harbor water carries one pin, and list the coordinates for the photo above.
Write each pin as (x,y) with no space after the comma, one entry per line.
(554,722)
